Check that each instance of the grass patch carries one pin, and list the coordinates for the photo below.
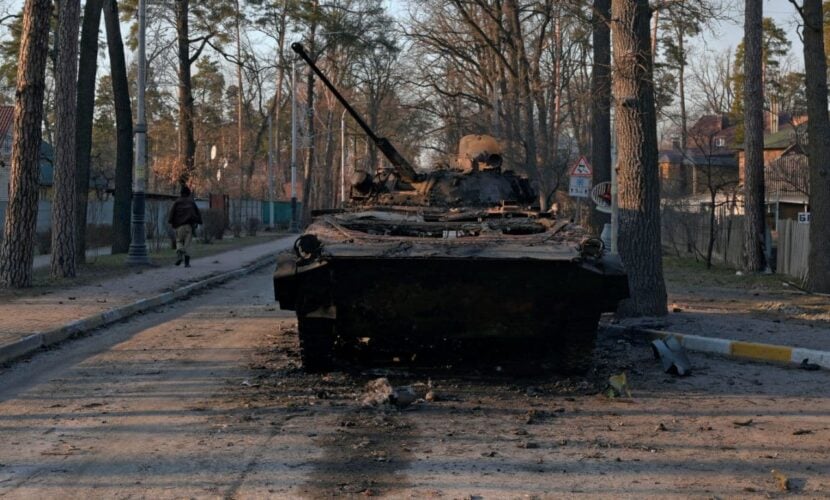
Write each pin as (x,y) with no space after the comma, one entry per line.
(689,272)
(104,267)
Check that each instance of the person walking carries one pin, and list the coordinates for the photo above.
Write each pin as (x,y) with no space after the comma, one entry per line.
(184,216)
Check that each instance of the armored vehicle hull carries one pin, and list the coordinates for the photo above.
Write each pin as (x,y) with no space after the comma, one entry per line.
(390,286)
(446,266)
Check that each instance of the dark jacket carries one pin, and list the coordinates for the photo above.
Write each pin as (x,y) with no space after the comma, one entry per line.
(184,212)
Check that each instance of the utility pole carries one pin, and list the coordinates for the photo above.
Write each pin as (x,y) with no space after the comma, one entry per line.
(294,226)
(137,253)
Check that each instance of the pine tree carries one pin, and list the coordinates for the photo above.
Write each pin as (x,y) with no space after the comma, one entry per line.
(601,103)
(17,247)
(121,213)
(66,81)
(87,67)
(753,138)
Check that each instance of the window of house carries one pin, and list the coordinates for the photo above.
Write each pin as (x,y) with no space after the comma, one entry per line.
(720,142)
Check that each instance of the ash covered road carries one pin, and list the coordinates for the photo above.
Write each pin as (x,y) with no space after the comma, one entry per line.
(207,398)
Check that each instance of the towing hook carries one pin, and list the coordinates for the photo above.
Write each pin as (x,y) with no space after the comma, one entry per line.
(307,247)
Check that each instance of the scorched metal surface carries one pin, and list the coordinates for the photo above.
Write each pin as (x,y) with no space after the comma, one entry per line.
(453,265)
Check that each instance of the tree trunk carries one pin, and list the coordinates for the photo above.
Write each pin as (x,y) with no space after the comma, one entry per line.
(310,152)
(240,116)
(278,100)
(818,131)
(681,93)
(523,89)
(328,163)
(710,246)
(87,67)
(753,139)
(121,214)
(17,247)
(639,192)
(684,117)
(187,142)
(601,104)
(66,88)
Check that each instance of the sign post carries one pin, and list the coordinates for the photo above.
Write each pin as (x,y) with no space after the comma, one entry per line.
(581,177)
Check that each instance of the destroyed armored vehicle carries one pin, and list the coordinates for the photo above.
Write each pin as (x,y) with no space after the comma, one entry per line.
(451,266)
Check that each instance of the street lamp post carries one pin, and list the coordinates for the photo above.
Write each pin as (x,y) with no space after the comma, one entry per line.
(137,253)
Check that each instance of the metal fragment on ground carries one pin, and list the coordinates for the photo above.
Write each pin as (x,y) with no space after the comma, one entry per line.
(672,356)
(618,386)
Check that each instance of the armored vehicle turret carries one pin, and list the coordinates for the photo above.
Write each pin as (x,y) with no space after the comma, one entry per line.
(453,265)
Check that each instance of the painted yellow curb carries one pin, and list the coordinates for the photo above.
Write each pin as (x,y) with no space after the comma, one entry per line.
(765,352)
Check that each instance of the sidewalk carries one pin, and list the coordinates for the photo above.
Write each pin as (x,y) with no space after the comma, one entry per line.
(760,317)
(36,321)
(44,260)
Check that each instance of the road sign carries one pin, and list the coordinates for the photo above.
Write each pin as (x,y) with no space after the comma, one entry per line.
(582,168)
(804,217)
(580,187)
(601,196)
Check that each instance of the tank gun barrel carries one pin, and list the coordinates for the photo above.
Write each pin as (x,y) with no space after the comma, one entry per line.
(402,167)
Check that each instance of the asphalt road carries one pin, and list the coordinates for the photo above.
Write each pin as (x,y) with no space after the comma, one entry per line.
(207,398)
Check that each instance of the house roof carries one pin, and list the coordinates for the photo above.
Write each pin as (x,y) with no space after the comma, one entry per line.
(699,158)
(710,125)
(783,139)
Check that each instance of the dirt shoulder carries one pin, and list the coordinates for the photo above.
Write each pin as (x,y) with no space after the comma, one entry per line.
(720,302)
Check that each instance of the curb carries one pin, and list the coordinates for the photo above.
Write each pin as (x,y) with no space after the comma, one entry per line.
(34,342)
(735,348)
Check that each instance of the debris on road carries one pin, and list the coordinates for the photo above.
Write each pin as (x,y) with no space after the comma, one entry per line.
(380,392)
(672,356)
(783,482)
(742,423)
(403,396)
(618,386)
(806,365)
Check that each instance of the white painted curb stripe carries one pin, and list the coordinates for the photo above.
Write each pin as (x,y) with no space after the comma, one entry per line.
(736,348)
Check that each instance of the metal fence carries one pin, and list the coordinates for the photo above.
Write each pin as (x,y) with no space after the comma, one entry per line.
(793,248)
(686,233)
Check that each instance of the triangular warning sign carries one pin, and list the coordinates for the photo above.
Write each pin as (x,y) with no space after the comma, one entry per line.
(582,168)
